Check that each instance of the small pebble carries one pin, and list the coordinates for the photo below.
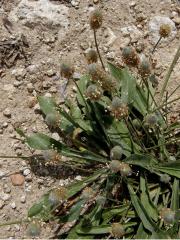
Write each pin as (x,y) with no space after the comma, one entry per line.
(2,203)
(17,179)
(23,199)
(7,112)
(4,196)
(26,172)
(13,205)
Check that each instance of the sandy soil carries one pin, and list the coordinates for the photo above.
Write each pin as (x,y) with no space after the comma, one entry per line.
(36,71)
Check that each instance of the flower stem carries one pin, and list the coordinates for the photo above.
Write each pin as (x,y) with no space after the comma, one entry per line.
(154,48)
(176,57)
(97,48)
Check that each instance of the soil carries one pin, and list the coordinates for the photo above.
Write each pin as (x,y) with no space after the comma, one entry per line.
(33,69)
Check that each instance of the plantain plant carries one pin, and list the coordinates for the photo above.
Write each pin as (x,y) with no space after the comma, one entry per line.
(119,135)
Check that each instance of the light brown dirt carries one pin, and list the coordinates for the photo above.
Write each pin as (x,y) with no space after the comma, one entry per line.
(47,55)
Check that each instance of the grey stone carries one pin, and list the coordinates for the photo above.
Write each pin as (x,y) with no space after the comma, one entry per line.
(7,112)
(26,172)
(31,13)
(154,26)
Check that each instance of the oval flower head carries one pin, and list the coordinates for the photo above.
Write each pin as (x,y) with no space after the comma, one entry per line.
(118,109)
(96,19)
(66,69)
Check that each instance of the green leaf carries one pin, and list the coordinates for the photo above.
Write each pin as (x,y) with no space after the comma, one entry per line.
(143,160)
(110,213)
(172,169)
(146,201)
(82,84)
(175,200)
(20,132)
(47,104)
(41,210)
(35,209)
(75,210)
(40,141)
(127,81)
(141,233)
(141,211)
(95,230)
(77,187)
(130,92)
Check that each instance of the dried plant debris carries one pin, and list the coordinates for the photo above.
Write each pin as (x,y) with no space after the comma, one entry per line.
(13,49)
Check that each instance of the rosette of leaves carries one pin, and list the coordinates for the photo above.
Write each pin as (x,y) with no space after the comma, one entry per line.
(107,197)
(130,191)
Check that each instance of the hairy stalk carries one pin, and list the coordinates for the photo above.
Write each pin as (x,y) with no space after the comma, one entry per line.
(136,135)
(13,222)
(87,108)
(97,48)
(173,92)
(154,48)
(147,133)
(164,104)
(176,57)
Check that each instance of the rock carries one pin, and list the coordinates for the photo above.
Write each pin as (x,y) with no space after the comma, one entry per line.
(176,20)
(4,196)
(29,178)
(17,179)
(111,37)
(74,3)
(78,178)
(9,88)
(50,72)
(19,73)
(42,12)
(2,203)
(23,199)
(32,69)
(13,205)
(154,26)
(7,113)
(132,32)
(30,87)
(26,172)
(56,136)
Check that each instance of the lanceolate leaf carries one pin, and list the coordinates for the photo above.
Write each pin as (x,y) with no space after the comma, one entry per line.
(43,142)
(130,92)
(175,200)
(146,201)
(77,187)
(172,169)
(47,104)
(143,215)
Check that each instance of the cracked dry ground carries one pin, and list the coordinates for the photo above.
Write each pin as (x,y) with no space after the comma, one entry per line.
(32,68)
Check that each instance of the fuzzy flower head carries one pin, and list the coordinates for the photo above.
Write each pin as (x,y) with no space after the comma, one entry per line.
(124,168)
(51,156)
(33,229)
(118,108)
(94,92)
(116,153)
(91,56)
(117,230)
(100,77)
(151,120)
(168,216)
(52,119)
(144,67)
(130,56)
(57,196)
(66,69)
(87,193)
(165,30)
(96,19)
